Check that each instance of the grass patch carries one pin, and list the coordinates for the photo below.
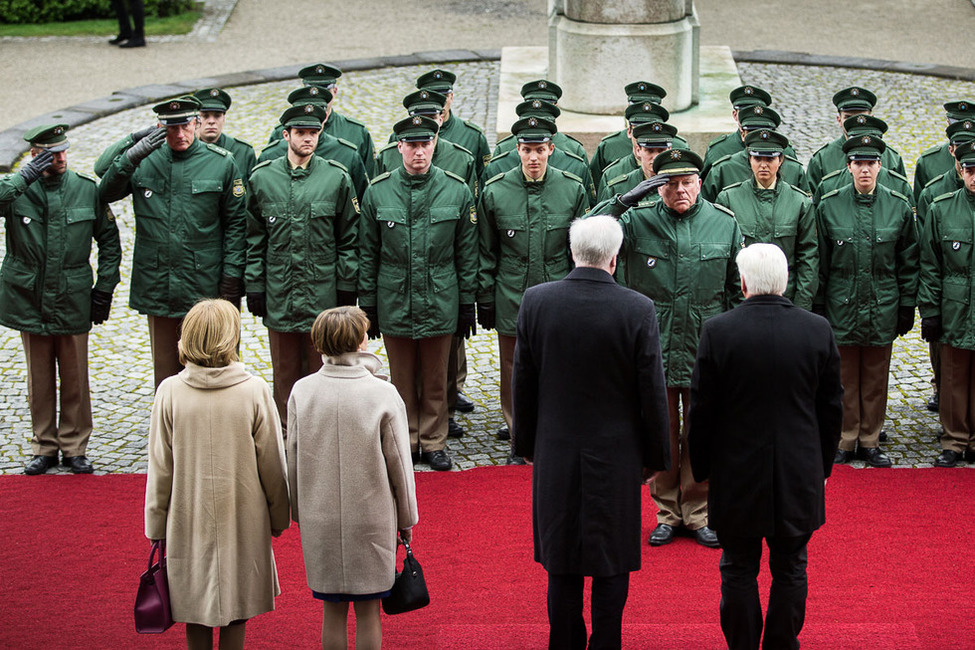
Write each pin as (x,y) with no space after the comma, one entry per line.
(178,24)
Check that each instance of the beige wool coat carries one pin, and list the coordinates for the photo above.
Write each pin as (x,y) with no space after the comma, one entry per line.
(350,474)
(216,487)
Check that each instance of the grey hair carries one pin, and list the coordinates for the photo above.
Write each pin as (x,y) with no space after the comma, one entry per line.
(764,269)
(595,241)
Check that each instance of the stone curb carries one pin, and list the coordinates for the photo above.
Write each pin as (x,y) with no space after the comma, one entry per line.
(13,146)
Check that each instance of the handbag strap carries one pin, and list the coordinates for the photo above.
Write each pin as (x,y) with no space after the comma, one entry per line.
(160,546)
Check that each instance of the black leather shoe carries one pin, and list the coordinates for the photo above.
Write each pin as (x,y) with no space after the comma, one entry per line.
(842,457)
(118,40)
(133,42)
(970,455)
(40,464)
(883,436)
(874,457)
(706,537)
(504,433)
(78,464)
(662,534)
(947,458)
(513,459)
(438,460)
(416,457)
(934,402)
(454,430)
(464,404)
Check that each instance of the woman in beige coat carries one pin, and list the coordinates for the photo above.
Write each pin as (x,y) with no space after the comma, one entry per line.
(217,488)
(351,477)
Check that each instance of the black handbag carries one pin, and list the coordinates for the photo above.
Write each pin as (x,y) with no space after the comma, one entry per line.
(409,590)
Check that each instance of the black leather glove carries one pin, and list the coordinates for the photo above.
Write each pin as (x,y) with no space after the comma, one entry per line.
(36,166)
(466,321)
(643,188)
(231,289)
(141,149)
(345,298)
(486,315)
(373,315)
(101,306)
(141,133)
(257,303)
(931,329)
(905,320)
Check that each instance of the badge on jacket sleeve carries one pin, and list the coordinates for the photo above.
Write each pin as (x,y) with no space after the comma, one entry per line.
(355,204)
(473,215)
(238,188)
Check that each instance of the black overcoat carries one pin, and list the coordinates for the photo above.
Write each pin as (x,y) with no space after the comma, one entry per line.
(766,413)
(590,408)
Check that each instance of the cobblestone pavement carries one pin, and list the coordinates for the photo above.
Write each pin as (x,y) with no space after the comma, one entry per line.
(121,378)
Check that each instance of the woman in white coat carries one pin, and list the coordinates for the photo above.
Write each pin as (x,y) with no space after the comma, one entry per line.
(351,477)
(216,489)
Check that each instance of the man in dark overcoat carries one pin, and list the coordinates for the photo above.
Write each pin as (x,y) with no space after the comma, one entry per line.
(590,409)
(766,414)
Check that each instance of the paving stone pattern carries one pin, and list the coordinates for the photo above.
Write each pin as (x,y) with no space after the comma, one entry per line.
(121,377)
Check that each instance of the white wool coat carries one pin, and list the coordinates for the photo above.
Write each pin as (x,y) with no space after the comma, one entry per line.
(215,489)
(350,474)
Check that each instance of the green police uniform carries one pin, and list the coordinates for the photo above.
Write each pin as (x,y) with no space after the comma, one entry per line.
(736,168)
(784,216)
(469,136)
(831,157)
(649,136)
(938,160)
(945,183)
(243,153)
(446,155)
(329,148)
(621,184)
(751,117)
(610,149)
(886,177)
(560,140)
(343,127)
(560,159)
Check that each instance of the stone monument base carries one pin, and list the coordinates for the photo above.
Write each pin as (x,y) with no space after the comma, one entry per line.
(698,125)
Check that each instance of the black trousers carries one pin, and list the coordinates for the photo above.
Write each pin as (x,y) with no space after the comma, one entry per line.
(137,9)
(567,629)
(741,609)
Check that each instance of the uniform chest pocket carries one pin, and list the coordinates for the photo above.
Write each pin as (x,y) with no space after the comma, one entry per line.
(394,232)
(649,267)
(148,191)
(885,248)
(206,185)
(840,242)
(712,272)
(513,236)
(956,248)
(320,236)
(80,215)
(26,213)
(444,214)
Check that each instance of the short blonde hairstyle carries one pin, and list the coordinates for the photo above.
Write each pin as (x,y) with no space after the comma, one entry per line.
(339,330)
(210,334)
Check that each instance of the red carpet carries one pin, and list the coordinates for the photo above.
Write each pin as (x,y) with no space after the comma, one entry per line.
(894,567)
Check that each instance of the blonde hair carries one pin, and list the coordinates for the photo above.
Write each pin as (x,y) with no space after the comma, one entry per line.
(210,334)
(339,330)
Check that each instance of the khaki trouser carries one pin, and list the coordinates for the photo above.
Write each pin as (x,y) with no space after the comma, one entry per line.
(418,369)
(864,371)
(70,431)
(679,498)
(506,345)
(456,370)
(293,356)
(957,410)
(163,337)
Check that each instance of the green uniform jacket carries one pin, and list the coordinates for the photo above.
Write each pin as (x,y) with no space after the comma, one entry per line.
(840,177)
(868,263)
(948,267)
(610,149)
(560,140)
(946,183)
(418,252)
(783,216)
(737,168)
(301,239)
(523,230)
(686,265)
(46,277)
(341,151)
(830,157)
(930,164)
(190,225)
(730,144)
(446,155)
(560,159)
(470,136)
(340,126)
(615,168)
(243,152)
(621,184)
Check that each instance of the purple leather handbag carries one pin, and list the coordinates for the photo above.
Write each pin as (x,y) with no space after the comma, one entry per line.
(152,615)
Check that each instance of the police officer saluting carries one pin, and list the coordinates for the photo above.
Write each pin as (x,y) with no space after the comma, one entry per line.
(190,224)
(523,225)
(51,215)
(301,247)
(417,278)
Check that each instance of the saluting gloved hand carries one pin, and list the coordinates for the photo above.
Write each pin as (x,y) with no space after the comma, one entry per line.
(373,315)
(141,133)
(486,315)
(905,320)
(643,188)
(231,289)
(36,166)
(345,298)
(931,329)
(466,321)
(257,303)
(146,145)
(101,306)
